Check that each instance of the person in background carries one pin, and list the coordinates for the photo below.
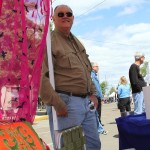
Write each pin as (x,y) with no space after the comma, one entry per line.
(124,95)
(73,85)
(137,82)
(100,128)
(99,95)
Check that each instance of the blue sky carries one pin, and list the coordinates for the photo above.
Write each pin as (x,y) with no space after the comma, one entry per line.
(112,31)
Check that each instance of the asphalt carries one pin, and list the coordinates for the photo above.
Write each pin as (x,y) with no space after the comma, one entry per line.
(109,113)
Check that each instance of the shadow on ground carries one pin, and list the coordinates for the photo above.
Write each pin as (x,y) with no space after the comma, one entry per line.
(112,123)
(116,136)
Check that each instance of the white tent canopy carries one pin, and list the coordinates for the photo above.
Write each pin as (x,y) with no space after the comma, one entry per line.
(112,94)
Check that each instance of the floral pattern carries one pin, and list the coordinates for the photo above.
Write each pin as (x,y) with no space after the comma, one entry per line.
(23,29)
(19,136)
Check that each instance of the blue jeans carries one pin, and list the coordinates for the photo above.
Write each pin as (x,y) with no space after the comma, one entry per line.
(100,128)
(78,114)
(139,106)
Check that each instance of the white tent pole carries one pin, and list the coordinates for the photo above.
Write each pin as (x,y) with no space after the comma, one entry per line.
(51,74)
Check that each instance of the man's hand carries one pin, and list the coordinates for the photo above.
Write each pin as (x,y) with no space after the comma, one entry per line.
(61,109)
(94,99)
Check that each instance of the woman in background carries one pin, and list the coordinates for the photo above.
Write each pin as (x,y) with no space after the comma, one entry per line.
(124,95)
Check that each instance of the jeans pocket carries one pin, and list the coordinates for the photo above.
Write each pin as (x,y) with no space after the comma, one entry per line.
(65,98)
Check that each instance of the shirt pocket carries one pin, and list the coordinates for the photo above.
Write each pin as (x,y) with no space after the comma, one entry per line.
(68,61)
(85,58)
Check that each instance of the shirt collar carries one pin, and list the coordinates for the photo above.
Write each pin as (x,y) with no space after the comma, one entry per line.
(94,72)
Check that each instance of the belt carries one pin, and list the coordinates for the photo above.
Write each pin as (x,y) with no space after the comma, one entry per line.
(72,94)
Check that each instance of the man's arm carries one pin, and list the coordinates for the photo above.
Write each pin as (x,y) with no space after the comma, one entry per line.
(48,94)
(93,97)
(97,86)
(135,80)
(100,92)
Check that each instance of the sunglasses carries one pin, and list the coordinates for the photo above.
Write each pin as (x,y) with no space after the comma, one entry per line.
(68,14)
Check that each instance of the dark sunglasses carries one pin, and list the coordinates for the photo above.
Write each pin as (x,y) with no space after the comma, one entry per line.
(68,14)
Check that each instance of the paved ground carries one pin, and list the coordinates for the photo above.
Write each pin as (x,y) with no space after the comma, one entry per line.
(109,141)
(109,113)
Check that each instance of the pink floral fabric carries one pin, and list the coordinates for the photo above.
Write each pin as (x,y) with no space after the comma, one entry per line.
(23,29)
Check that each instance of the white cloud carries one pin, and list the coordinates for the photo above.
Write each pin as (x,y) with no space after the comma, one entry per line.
(136,35)
(127,11)
(116,53)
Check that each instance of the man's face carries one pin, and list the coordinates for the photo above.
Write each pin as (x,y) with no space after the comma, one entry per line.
(63,18)
(96,68)
(142,60)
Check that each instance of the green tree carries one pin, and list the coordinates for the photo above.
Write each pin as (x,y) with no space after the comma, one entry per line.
(51,25)
(143,69)
(104,86)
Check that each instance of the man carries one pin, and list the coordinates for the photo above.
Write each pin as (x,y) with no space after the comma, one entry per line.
(99,96)
(73,84)
(96,82)
(137,82)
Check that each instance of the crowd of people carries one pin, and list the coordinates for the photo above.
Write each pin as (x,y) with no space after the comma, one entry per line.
(77,86)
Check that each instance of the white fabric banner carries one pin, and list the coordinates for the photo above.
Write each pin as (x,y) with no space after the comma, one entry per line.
(146,92)
(51,74)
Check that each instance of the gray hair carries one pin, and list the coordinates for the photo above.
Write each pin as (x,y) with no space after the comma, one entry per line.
(138,55)
(94,64)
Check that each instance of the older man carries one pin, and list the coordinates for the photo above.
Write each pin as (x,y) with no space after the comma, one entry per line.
(73,85)
(137,82)
(99,95)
